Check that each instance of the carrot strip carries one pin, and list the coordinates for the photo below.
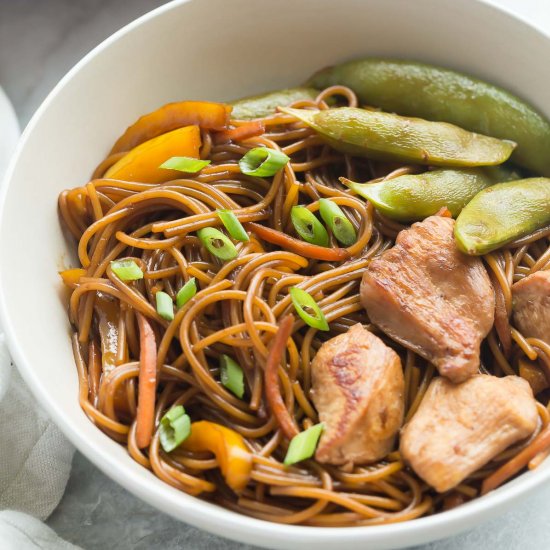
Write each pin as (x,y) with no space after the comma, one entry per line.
(299,247)
(536,461)
(145,418)
(272,388)
(240,133)
(540,444)
(444,212)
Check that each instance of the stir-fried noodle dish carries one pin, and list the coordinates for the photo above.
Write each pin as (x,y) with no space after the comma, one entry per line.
(327,305)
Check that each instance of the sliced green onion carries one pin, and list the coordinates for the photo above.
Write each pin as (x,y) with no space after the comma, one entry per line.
(165,305)
(337,222)
(231,375)
(308,226)
(186,292)
(217,243)
(262,162)
(233,225)
(126,270)
(307,309)
(303,445)
(174,429)
(185,164)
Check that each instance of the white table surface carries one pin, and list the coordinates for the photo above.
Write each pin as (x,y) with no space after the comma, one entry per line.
(40,40)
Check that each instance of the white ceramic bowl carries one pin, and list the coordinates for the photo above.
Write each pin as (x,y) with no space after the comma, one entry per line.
(220,49)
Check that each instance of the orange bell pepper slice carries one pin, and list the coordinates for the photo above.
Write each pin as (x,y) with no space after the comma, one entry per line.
(234,458)
(71,277)
(208,115)
(142,162)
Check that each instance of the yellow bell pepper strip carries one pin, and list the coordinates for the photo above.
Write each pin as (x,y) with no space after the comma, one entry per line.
(205,114)
(142,163)
(71,277)
(233,456)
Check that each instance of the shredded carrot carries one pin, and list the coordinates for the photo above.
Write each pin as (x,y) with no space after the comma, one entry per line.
(272,388)
(444,212)
(299,247)
(145,417)
(248,130)
(540,444)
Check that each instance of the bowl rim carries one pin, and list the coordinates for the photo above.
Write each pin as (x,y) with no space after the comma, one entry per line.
(205,515)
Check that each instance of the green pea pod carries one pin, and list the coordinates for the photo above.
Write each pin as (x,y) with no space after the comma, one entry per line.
(416,196)
(503,213)
(416,89)
(385,136)
(260,106)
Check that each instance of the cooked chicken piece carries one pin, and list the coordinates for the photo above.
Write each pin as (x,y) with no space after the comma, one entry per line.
(531,298)
(358,389)
(432,298)
(458,428)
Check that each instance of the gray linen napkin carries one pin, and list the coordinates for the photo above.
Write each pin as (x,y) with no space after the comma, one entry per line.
(35,463)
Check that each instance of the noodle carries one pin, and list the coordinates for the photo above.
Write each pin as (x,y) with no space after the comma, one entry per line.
(237,310)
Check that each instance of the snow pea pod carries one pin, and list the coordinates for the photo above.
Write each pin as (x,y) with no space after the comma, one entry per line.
(434,93)
(263,105)
(385,136)
(503,213)
(414,197)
